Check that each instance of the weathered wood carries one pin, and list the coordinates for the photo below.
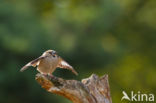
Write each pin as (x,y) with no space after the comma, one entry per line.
(89,90)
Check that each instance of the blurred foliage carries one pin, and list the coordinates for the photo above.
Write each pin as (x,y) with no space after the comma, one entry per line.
(117,37)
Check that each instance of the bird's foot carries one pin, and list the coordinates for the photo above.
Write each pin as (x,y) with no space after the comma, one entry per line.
(48,75)
(44,74)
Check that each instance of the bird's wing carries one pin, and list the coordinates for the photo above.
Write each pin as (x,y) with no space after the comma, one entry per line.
(63,64)
(32,63)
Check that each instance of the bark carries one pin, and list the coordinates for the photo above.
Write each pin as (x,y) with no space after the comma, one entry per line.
(89,90)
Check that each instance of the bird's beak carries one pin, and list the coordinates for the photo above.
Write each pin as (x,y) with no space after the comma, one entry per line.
(54,53)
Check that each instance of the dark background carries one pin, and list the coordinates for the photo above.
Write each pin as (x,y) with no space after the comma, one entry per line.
(114,37)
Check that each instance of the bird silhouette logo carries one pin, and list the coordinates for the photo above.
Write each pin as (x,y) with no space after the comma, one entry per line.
(125,96)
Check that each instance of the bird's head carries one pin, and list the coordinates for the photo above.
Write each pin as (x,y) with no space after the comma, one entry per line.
(50,53)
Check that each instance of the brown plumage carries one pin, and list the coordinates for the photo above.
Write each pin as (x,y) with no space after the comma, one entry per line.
(48,62)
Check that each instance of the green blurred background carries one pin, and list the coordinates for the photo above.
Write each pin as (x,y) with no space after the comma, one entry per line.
(114,37)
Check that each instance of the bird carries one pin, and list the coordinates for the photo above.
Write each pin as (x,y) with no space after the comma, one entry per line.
(48,62)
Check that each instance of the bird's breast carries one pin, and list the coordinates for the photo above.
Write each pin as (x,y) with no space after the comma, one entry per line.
(48,65)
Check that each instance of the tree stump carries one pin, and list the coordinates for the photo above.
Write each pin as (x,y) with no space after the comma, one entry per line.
(89,90)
